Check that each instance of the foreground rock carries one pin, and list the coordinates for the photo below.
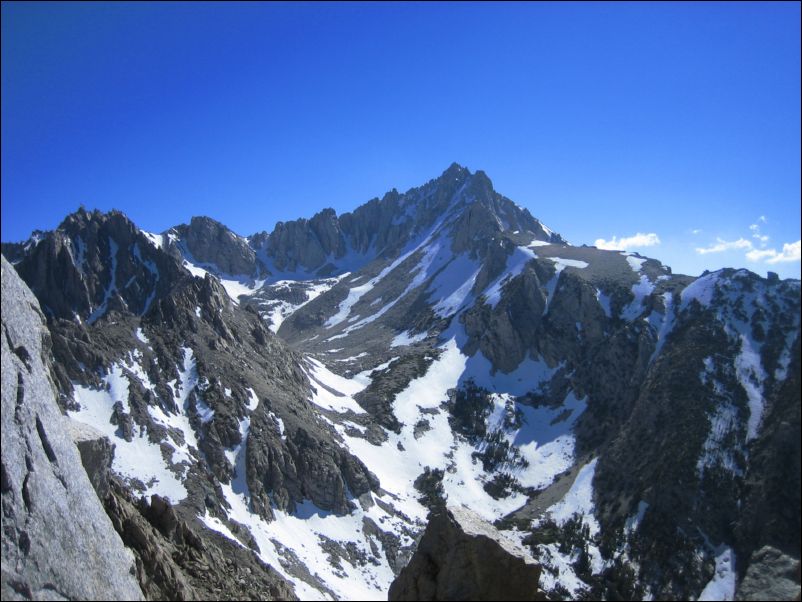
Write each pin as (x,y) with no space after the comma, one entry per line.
(57,541)
(771,575)
(461,557)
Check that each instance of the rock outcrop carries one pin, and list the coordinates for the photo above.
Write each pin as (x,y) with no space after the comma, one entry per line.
(210,242)
(771,575)
(97,454)
(57,541)
(462,557)
(305,244)
(176,559)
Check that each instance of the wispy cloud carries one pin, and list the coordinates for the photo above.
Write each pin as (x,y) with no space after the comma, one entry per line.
(696,231)
(789,253)
(792,251)
(628,242)
(724,245)
(756,233)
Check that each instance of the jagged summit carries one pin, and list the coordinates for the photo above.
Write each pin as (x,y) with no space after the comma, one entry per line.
(455,171)
(328,244)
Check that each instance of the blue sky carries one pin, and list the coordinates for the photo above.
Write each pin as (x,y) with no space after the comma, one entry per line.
(676,122)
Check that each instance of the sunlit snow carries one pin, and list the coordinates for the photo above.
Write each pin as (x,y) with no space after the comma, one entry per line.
(722,585)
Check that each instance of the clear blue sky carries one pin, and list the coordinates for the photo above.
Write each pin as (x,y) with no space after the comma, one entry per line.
(605,120)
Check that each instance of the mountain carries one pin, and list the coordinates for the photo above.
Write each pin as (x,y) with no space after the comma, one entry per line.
(306,396)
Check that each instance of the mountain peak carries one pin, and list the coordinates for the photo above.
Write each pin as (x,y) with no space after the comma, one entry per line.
(211,242)
(455,170)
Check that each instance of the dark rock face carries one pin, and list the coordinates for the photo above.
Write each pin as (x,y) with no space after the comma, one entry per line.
(306,244)
(771,575)
(57,541)
(210,242)
(306,466)
(95,263)
(725,485)
(461,557)
(772,488)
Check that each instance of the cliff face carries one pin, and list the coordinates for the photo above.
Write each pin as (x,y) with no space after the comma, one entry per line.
(57,541)
(462,557)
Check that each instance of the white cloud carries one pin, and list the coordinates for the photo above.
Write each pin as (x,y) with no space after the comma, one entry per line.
(791,252)
(763,219)
(723,245)
(628,242)
(696,231)
(759,254)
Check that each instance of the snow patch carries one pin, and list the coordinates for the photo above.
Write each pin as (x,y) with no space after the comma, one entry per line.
(452,285)
(157,240)
(633,522)
(325,381)
(568,263)
(578,500)
(405,338)
(357,292)
(151,267)
(702,290)
(215,524)
(722,585)
(528,376)
(253,400)
(604,301)
(280,310)
(749,371)
(234,287)
(636,263)
(642,289)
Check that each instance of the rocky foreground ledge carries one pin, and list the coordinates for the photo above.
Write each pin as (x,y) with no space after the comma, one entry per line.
(57,541)
(462,557)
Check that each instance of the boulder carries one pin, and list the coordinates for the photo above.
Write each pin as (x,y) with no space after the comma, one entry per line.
(771,575)
(462,557)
